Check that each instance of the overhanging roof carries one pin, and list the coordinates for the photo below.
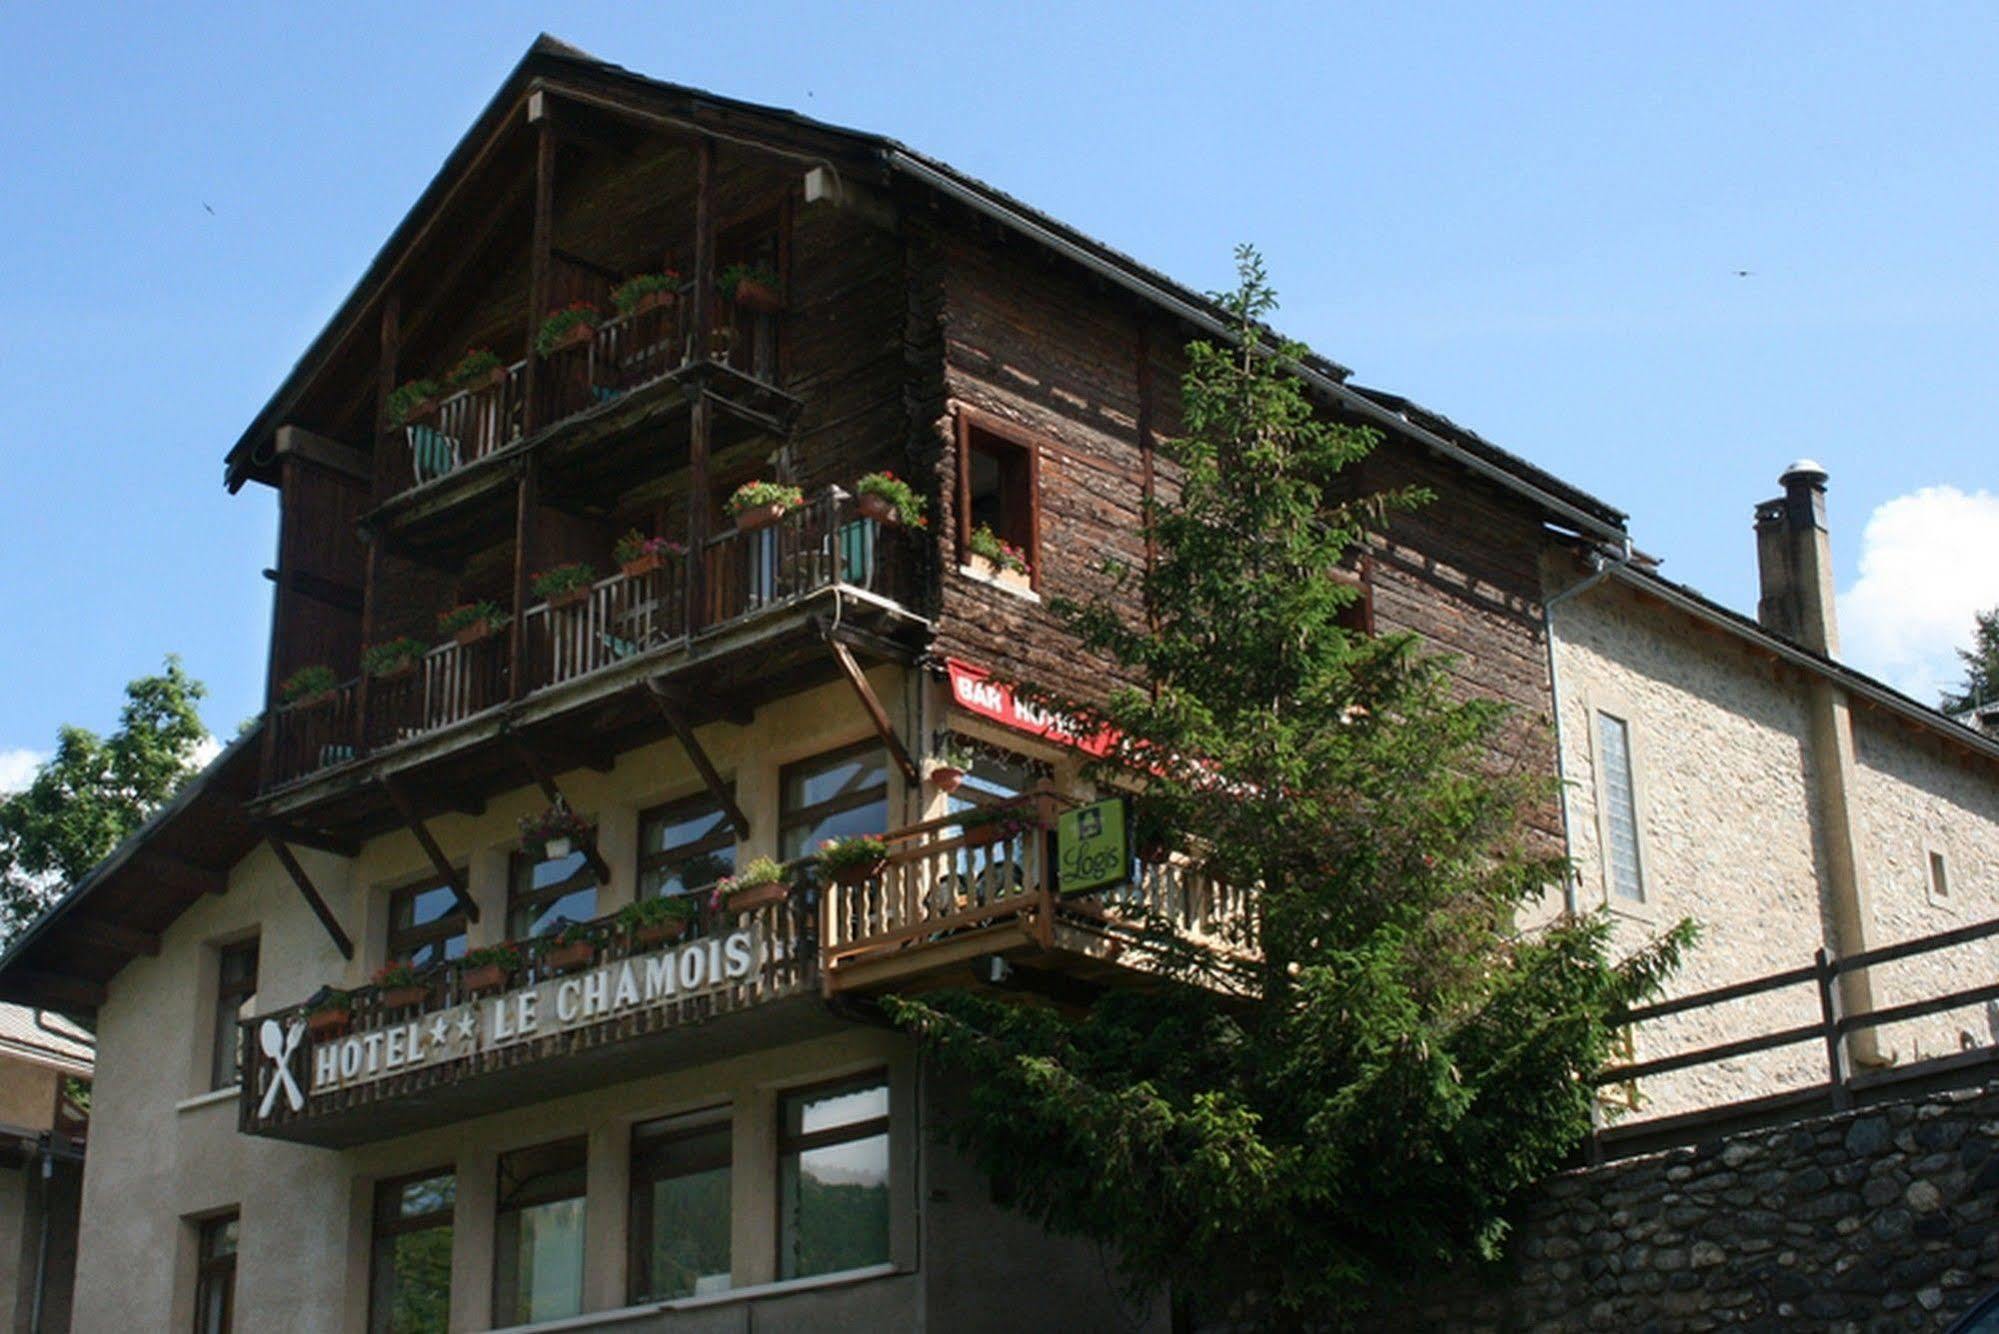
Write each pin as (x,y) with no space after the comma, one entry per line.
(549,61)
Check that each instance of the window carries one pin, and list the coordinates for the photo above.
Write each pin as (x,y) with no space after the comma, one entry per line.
(999,486)
(426,925)
(1357,617)
(684,846)
(1939,877)
(410,1284)
(538,1237)
(833,1178)
(1617,792)
(215,1276)
(542,894)
(235,994)
(833,796)
(680,1206)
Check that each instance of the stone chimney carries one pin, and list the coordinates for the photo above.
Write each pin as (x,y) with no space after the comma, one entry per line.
(1794,557)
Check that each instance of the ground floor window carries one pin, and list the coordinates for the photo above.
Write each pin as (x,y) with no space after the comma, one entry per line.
(833,1171)
(215,1276)
(410,1284)
(680,1215)
(538,1236)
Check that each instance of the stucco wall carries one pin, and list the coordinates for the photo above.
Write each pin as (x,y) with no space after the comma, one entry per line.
(1728,836)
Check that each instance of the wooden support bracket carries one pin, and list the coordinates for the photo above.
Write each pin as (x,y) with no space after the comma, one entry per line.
(311,893)
(876,713)
(545,780)
(315,839)
(450,874)
(725,797)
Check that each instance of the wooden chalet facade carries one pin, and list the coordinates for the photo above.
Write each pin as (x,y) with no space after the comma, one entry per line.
(825,304)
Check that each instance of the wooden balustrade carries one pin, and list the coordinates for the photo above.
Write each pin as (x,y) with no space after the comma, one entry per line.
(462,428)
(622,617)
(624,354)
(816,545)
(314,734)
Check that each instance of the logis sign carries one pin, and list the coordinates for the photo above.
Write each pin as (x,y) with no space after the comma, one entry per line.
(546,1007)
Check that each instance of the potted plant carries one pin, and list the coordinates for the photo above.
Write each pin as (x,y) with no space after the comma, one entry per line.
(564,585)
(659,919)
(638,554)
(399,985)
(328,1015)
(761,504)
(488,968)
(753,287)
(995,823)
(574,324)
(413,399)
(477,369)
(309,687)
(757,885)
(470,622)
(574,946)
(888,499)
(849,861)
(552,833)
(646,291)
(392,659)
(954,761)
(995,556)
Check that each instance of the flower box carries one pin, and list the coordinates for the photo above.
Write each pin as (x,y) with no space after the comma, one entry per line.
(872,506)
(492,379)
(403,669)
(759,296)
(753,517)
(398,998)
(651,301)
(574,336)
(643,566)
(318,699)
(324,1024)
(1004,576)
(563,958)
(485,977)
(469,635)
(569,597)
(659,933)
(859,873)
(752,897)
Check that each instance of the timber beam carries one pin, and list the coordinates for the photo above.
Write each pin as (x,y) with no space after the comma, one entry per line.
(311,893)
(545,780)
(876,713)
(317,840)
(176,873)
(670,709)
(39,988)
(114,936)
(450,874)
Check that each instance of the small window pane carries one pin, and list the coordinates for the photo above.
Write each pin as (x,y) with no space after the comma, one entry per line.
(835,1201)
(235,999)
(1620,808)
(538,1237)
(835,797)
(411,1280)
(215,1279)
(685,847)
(426,925)
(809,1114)
(811,784)
(681,1215)
(546,893)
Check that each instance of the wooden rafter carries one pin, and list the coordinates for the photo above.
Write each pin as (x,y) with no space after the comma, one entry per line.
(876,713)
(60,988)
(544,779)
(725,797)
(311,893)
(180,874)
(450,874)
(115,936)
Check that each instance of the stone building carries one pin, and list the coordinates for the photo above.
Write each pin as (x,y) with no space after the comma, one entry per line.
(45,1064)
(1735,772)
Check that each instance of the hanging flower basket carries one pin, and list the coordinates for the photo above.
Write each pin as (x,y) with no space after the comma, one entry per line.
(554,833)
(886,498)
(947,778)
(558,847)
(872,506)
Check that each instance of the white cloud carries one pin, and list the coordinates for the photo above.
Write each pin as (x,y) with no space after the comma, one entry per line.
(205,750)
(17,768)
(1928,561)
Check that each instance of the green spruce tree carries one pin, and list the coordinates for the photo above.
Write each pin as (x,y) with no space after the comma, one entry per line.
(1981,666)
(1276,1137)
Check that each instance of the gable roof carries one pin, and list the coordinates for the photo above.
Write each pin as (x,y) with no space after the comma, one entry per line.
(550,60)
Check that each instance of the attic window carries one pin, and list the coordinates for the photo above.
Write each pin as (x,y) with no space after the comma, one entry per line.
(999,487)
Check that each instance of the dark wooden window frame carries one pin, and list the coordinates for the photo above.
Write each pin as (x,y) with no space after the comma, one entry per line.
(806,815)
(213,1269)
(517,898)
(664,859)
(703,1121)
(972,422)
(229,998)
(789,1144)
(1358,615)
(404,942)
(395,1225)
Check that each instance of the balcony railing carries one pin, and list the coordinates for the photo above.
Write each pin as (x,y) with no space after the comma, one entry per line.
(820,544)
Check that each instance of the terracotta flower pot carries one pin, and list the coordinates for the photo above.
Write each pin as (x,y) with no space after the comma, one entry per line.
(486,977)
(859,873)
(562,958)
(660,933)
(397,998)
(759,297)
(643,566)
(872,506)
(574,336)
(654,301)
(947,778)
(753,897)
(569,597)
(492,379)
(471,634)
(758,516)
(328,1023)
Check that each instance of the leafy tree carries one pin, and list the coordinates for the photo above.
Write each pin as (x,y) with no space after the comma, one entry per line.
(1981,666)
(94,791)
(1275,1134)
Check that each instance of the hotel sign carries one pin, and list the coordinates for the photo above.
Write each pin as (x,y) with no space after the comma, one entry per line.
(975,691)
(544,1008)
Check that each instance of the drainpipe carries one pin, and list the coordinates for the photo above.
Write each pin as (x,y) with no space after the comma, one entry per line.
(48,1160)
(1601,569)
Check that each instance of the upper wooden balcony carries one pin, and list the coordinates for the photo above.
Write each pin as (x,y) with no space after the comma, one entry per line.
(744,622)
(961,901)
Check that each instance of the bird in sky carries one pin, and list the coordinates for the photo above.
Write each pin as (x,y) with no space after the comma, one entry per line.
(211,211)
(1744,273)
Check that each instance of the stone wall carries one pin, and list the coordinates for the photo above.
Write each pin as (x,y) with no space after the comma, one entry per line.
(1874,1220)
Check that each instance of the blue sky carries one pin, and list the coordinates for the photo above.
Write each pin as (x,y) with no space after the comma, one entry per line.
(1530,219)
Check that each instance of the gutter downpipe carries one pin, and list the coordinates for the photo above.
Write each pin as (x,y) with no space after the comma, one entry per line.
(1602,569)
(48,1160)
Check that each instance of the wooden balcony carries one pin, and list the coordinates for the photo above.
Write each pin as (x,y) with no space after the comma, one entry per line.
(626,629)
(956,893)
